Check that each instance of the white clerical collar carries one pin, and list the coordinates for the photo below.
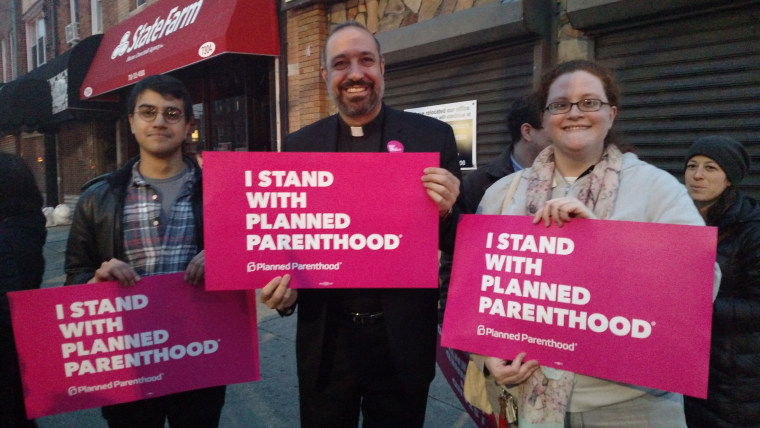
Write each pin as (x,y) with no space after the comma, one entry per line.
(357,131)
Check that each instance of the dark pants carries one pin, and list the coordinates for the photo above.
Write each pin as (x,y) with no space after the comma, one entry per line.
(357,373)
(200,408)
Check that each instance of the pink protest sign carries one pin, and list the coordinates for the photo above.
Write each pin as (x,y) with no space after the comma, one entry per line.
(98,344)
(330,220)
(625,301)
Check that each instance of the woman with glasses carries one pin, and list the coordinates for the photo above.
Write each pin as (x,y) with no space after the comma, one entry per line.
(584,174)
(714,166)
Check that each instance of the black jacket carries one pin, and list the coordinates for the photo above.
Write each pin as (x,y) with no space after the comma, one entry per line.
(474,186)
(21,261)
(477,182)
(96,229)
(21,268)
(733,398)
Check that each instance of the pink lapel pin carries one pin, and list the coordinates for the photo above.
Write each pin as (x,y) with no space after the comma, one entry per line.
(395,147)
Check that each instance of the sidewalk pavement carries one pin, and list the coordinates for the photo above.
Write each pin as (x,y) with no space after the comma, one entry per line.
(270,402)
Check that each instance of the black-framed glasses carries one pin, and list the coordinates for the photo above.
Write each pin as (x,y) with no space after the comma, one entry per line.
(170,114)
(589,105)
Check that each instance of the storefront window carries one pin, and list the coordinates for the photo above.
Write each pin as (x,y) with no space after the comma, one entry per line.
(233,111)
(197,141)
(228,131)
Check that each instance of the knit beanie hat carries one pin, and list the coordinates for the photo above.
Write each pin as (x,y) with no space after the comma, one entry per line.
(726,152)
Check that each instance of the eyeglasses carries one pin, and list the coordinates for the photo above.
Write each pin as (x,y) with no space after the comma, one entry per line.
(561,107)
(170,114)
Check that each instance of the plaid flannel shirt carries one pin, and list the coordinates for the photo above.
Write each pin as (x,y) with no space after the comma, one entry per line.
(146,251)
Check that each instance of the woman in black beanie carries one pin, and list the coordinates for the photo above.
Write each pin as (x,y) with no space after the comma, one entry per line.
(714,166)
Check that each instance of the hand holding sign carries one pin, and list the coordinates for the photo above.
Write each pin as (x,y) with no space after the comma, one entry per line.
(442,187)
(196,269)
(277,294)
(115,270)
(562,210)
(511,372)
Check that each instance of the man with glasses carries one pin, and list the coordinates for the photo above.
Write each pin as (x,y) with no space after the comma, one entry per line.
(146,218)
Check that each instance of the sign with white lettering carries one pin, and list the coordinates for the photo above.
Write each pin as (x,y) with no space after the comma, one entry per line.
(625,301)
(330,220)
(98,344)
(172,34)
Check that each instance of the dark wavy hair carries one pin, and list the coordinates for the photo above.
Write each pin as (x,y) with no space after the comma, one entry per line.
(164,85)
(19,194)
(526,109)
(609,84)
(717,210)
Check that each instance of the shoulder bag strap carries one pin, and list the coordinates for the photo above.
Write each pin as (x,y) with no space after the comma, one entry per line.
(511,191)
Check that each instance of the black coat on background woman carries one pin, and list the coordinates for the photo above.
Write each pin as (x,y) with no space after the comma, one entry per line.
(734,387)
(22,236)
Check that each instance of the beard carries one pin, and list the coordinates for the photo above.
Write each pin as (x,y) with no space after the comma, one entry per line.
(360,105)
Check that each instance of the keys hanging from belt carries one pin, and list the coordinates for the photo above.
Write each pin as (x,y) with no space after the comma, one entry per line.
(507,410)
(365,318)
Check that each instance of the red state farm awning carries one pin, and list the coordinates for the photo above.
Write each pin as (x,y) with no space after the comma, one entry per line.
(172,34)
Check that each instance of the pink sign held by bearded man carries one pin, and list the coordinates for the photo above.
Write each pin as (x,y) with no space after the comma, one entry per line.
(92,345)
(624,301)
(330,220)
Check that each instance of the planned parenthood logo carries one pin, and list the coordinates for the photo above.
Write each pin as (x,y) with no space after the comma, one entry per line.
(86,389)
(255,266)
(522,337)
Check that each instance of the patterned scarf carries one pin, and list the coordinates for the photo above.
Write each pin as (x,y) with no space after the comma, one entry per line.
(598,195)
(543,398)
